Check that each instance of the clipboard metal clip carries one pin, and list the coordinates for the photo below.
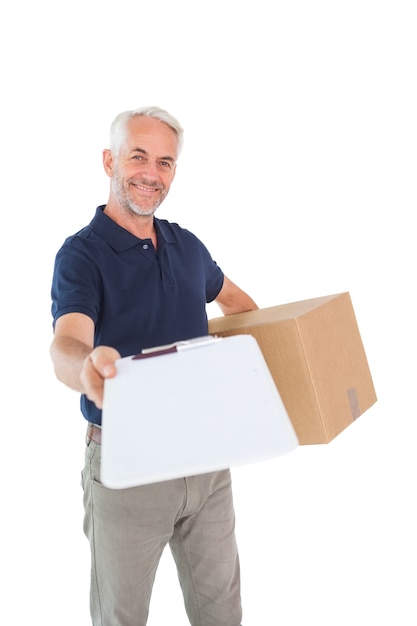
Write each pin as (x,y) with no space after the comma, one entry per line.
(177,346)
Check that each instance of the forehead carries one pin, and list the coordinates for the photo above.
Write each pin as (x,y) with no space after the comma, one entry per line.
(151,135)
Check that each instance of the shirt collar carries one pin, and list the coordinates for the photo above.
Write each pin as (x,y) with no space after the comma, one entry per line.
(118,237)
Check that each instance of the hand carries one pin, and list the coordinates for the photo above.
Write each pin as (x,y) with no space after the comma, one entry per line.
(98,365)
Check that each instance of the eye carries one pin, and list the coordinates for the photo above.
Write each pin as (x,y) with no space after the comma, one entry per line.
(165,164)
(138,157)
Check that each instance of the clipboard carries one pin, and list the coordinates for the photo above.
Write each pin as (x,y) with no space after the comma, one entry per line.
(188,408)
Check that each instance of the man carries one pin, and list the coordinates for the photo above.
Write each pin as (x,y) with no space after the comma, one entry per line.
(129,281)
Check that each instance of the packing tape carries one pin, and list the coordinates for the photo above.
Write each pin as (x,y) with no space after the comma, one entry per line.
(354,403)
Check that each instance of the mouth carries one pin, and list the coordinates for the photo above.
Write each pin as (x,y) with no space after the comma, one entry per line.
(146,189)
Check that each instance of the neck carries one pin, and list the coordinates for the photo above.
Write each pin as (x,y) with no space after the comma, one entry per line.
(142,226)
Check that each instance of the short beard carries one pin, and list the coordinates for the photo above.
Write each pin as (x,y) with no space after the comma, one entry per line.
(127,203)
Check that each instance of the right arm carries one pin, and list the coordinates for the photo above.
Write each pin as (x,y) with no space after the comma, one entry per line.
(77,363)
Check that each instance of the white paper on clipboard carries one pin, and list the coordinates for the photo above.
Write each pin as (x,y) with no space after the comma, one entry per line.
(192,407)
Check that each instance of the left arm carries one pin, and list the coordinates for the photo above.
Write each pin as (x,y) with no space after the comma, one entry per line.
(231,299)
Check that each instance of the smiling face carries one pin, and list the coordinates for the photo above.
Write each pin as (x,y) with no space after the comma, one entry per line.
(143,170)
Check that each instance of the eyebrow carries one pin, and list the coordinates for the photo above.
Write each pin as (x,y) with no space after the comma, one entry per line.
(163,158)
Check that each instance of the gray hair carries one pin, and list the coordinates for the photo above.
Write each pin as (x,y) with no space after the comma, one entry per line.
(119,124)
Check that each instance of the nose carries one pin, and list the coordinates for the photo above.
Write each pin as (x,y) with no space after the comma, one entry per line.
(150,169)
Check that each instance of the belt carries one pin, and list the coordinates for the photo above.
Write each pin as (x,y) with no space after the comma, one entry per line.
(93,433)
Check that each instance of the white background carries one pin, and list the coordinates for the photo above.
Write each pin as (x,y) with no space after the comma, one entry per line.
(299,173)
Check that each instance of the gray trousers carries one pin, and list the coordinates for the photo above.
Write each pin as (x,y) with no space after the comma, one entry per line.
(129,528)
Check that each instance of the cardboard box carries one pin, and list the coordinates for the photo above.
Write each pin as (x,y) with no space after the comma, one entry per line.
(314,351)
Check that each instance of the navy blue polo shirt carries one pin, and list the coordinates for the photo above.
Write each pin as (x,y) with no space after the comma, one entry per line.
(138,297)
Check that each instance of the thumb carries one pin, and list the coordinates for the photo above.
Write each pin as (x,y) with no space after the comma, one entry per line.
(103,360)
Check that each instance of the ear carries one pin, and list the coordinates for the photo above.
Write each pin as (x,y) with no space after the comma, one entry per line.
(108,162)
